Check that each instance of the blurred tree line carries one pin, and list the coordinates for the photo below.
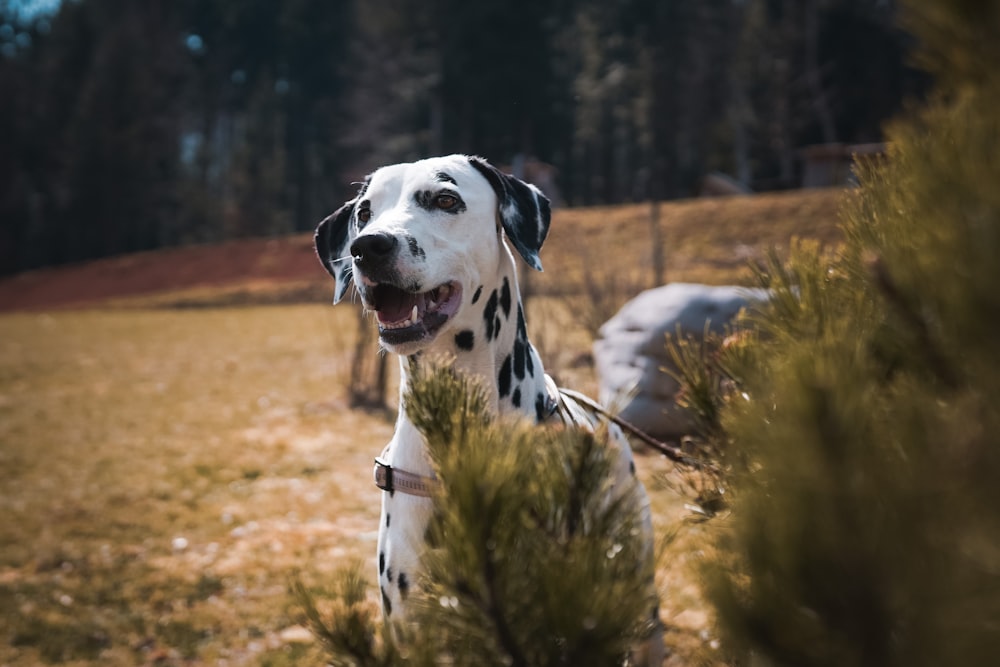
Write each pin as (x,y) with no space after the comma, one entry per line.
(130,126)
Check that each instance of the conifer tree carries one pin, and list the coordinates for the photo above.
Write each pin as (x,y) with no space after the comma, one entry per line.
(530,561)
(866,526)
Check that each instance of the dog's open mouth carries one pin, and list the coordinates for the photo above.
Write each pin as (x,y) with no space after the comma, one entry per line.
(406,317)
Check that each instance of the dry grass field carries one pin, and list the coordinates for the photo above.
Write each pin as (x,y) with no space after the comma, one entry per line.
(165,471)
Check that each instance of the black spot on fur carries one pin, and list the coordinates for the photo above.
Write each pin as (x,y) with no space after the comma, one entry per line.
(522,330)
(516,398)
(505,297)
(388,517)
(404,585)
(479,293)
(415,248)
(424,199)
(386,604)
(631,467)
(540,407)
(527,360)
(381,562)
(503,380)
(388,574)
(444,178)
(465,340)
(519,359)
(490,316)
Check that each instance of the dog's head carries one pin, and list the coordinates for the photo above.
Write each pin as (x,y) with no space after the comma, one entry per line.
(420,238)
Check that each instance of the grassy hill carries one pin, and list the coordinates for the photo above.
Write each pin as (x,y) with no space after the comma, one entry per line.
(704,240)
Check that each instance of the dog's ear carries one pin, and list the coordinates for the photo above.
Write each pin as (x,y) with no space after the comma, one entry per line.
(332,240)
(523,211)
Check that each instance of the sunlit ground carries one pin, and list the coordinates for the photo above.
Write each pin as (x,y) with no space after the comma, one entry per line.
(164,473)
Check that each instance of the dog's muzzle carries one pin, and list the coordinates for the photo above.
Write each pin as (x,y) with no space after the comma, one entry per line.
(405,316)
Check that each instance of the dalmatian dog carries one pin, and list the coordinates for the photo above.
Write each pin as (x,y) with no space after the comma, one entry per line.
(425,244)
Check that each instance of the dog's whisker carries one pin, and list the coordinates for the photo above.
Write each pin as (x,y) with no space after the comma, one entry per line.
(340,259)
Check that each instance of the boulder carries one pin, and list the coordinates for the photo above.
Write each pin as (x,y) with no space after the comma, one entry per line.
(630,353)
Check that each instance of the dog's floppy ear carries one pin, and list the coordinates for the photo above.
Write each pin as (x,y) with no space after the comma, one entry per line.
(332,240)
(523,211)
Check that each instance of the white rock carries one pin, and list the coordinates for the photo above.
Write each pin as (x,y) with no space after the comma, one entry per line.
(630,352)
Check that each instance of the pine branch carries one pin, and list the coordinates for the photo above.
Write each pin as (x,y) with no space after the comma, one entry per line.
(936,359)
(349,633)
(699,378)
(495,612)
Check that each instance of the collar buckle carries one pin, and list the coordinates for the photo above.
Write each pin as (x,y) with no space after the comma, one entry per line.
(392,479)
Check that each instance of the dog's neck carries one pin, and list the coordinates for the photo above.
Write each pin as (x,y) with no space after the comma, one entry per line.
(490,342)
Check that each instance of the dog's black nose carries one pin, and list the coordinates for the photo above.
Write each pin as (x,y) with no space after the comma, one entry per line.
(371,249)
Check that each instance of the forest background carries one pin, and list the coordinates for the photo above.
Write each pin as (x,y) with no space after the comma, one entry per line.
(136,125)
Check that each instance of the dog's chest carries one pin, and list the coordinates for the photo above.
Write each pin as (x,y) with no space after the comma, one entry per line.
(405,518)
(401,537)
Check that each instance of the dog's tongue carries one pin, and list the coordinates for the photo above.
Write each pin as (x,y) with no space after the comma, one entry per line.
(393,304)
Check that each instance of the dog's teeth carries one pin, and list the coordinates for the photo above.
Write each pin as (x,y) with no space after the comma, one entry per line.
(414,315)
(437,296)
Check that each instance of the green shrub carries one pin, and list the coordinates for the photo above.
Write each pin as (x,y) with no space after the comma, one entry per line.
(866,524)
(530,564)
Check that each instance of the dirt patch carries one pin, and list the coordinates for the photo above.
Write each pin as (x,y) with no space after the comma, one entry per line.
(282,261)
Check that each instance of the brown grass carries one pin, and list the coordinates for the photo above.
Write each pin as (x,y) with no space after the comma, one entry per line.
(164,471)
(703,240)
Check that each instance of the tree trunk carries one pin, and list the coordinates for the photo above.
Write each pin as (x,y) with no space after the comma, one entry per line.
(814,78)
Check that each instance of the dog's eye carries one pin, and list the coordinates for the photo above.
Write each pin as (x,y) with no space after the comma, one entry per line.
(445,201)
(364,214)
